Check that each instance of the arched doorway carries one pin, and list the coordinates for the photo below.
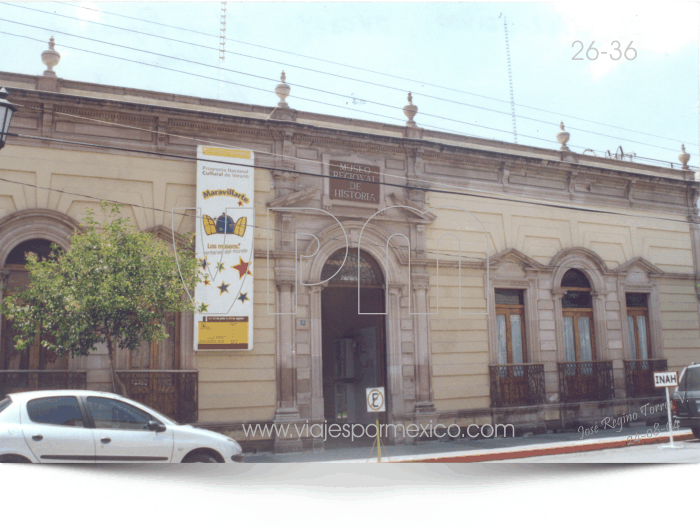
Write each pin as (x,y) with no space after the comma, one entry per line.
(34,357)
(354,345)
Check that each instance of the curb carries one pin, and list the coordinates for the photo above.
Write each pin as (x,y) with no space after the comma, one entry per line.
(557,450)
(520,452)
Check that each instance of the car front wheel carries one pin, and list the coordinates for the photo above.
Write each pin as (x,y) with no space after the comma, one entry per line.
(199,457)
(13,459)
(696,432)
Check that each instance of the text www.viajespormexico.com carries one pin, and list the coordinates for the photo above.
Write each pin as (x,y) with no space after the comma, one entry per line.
(358,431)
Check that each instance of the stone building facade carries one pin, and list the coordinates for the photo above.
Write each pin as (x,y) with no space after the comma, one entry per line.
(536,315)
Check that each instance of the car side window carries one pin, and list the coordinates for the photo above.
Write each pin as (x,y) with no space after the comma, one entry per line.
(681,382)
(56,410)
(117,415)
(692,379)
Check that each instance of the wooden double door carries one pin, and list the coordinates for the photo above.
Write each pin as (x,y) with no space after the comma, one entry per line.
(19,369)
(152,376)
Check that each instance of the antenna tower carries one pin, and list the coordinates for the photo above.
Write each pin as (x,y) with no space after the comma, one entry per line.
(222,43)
(222,33)
(510,82)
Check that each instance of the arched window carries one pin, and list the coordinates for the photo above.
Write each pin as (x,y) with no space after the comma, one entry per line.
(638,326)
(35,356)
(510,326)
(18,255)
(370,272)
(577,317)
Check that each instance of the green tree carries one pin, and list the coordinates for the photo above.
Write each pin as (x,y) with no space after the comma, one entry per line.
(114,285)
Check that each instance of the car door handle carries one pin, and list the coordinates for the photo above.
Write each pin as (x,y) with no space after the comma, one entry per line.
(105,440)
(37,437)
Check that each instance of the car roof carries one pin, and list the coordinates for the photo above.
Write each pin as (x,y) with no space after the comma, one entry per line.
(29,395)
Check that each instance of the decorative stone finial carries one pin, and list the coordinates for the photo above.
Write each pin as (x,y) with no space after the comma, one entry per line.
(282,90)
(563,137)
(410,111)
(50,58)
(684,157)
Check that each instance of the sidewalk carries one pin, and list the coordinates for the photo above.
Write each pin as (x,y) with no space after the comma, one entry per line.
(477,450)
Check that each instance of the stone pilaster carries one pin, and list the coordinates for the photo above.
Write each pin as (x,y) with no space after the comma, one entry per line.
(161,136)
(4,277)
(400,377)
(316,364)
(424,392)
(694,220)
(287,411)
(414,174)
(600,326)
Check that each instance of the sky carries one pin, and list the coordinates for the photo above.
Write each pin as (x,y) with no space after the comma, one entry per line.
(451,55)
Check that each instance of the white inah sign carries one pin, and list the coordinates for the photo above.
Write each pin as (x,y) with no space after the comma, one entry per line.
(666,379)
(375,400)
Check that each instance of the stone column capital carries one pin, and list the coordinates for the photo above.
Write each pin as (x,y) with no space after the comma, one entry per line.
(318,288)
(285,283)
(285,175)
(558,293)
(4,275)
(421,287)
(395,289)
(599,295)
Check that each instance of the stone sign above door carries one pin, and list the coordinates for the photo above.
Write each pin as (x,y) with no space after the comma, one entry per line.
(361,182)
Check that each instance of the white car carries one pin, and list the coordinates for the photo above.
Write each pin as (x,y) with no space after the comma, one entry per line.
(96,427)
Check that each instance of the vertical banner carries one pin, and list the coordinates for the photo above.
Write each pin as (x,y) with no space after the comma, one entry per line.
(225,227)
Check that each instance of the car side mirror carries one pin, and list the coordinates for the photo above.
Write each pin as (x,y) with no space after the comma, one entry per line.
(154,425)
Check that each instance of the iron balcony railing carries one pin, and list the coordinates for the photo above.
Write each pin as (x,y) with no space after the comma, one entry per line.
(20,381)
(586,380)
(639,377)
(517,384)
(173,393)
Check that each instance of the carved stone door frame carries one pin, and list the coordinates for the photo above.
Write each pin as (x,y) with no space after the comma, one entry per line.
(373,241)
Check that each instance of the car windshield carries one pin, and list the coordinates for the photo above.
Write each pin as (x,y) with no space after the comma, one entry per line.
(4,404)
(158,413)
(168,419)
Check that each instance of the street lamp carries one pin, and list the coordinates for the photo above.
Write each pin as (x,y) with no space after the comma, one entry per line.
(6,112)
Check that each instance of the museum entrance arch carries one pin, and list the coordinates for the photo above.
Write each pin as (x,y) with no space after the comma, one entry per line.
(353,343)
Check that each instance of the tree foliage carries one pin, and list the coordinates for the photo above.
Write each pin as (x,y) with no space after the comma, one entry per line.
(114,285)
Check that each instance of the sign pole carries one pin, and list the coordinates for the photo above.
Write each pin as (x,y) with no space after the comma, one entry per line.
(379,441)
(371,451)
(376,403)
(670,420)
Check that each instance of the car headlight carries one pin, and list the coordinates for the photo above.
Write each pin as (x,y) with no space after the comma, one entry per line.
(236,447)
(236,451)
